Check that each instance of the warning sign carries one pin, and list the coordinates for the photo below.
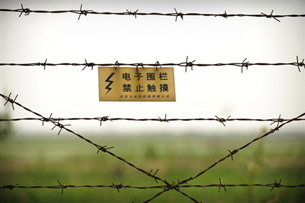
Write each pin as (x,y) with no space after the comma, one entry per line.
(136,84)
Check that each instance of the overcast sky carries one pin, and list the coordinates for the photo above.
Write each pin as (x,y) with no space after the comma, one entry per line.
(260,92)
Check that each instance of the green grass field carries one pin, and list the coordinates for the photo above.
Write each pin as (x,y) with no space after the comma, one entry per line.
(42,160)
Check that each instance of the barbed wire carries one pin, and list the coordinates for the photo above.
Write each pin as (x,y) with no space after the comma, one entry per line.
(231,153)
(173,186)
(235,151)
(186,64)
(176,14)
(105,148)
(159,119)
(122,186)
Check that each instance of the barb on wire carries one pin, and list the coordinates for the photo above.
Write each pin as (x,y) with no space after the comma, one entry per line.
(163,119)
(185,64)
(116,65)
(300,64)
(118,187)
(176,14)
(44,64)
(157,64)
(50,119)
(26,11)
(278,121)
(245,64)
(225,15)
(221,185)
(11,187)
(104,148)
(59,125)
(8,99)
(150,174)
(188,64)
(133,13)
(276,184)
(104,119)
(62,186)
(83,12)
(232,153)
(222,120)
(88,65)
(139,65)
(271,16)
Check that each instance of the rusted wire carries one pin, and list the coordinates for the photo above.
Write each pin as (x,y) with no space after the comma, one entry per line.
(176,14)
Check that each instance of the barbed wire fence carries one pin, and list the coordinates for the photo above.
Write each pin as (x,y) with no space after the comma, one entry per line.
(121,186)
(166,186)
(186,64)
(83,12)
(159,119)
(163,185)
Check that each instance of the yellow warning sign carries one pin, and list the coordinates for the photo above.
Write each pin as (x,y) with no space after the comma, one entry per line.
(136,84)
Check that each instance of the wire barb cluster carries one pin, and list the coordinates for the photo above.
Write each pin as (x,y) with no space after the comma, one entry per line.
(62,186)
(185,64)
(270,16)
(300,64)
(222,120)
(151,174)
(231,153)
(132,13)
(165,185)
(25,11)
(176,14)
(245,64)
(83,12)
(221,185)
(12,101)
(88,65)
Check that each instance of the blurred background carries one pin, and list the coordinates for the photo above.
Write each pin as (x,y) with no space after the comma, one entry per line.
(180,149)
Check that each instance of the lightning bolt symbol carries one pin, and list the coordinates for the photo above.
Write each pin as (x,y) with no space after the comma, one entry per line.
(110,82)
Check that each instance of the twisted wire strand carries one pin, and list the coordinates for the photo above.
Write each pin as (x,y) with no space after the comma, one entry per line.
(121,186)
(176,14)
(185,64)
(166,120)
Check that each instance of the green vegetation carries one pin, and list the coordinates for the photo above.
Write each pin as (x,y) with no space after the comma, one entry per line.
(43,160)
(6,128)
